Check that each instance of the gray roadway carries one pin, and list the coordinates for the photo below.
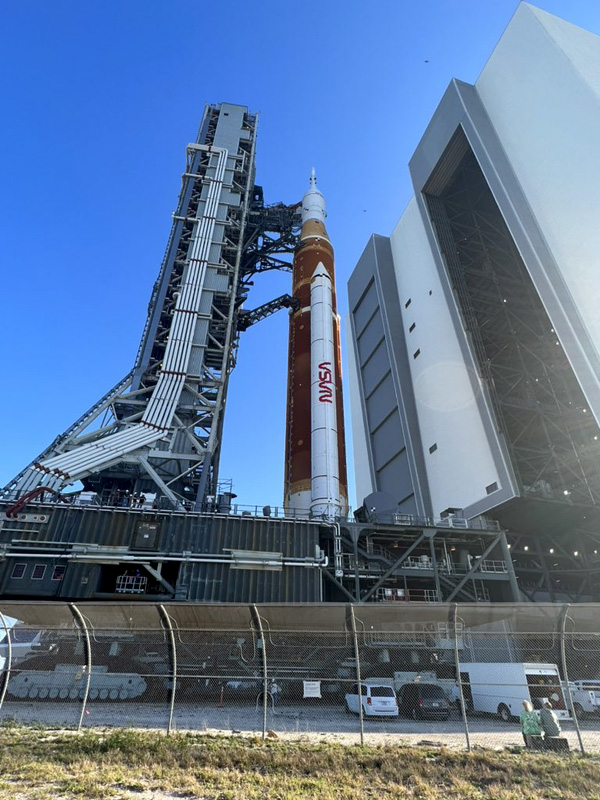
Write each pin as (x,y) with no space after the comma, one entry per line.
(315,721)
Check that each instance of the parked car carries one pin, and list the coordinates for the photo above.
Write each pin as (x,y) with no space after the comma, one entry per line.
(377,700)
(423,701)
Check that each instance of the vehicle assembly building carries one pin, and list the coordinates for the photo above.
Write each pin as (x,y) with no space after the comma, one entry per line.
(475,374)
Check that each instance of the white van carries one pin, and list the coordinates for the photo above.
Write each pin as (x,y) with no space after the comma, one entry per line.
(500,688)
(378,700)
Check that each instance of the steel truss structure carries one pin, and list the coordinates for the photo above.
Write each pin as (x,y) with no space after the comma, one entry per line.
(411,559)
(159,429)
(561,565)
(553,439)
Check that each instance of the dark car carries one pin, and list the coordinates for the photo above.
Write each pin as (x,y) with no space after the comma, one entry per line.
(423,701)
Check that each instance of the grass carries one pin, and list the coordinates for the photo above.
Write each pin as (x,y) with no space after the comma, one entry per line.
(44,765)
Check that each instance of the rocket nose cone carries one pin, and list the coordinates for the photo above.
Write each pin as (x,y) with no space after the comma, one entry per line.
(320,271)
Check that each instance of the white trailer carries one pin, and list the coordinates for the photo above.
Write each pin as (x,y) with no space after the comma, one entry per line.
(501,688)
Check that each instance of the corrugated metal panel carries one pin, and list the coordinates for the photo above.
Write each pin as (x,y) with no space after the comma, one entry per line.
(216,282)
(206,301)
(214,254)
(80,580)
(201,533)
(176,532)
(230,197)
(217,240)
(196,360)
(201,329)
(218,583)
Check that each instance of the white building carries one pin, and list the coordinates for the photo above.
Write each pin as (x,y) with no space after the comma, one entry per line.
(475,332)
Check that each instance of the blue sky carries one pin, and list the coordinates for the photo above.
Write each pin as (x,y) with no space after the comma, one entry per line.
(100,98)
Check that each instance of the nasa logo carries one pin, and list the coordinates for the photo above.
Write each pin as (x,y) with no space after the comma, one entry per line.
(325,383)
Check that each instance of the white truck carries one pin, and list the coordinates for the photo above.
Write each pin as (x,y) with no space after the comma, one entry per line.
(501,688)
(585,695)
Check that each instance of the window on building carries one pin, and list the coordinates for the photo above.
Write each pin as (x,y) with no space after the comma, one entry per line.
(408,302)
(416,354)
(412,327)
(38,572)
(18,571)
(58,573)
(493,487)
(433,448)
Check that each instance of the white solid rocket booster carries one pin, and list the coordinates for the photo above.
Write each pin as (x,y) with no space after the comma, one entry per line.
(325,479)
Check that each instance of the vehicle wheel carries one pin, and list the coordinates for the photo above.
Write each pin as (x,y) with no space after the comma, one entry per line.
(578,709)
(504,713)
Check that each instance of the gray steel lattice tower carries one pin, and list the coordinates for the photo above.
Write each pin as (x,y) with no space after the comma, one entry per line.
(159,429)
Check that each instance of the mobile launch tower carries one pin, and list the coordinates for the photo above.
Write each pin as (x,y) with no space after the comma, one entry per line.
(159,429)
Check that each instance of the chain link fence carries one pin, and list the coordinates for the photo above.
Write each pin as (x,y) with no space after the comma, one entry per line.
(457,675)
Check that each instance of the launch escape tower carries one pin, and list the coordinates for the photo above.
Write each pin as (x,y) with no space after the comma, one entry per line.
(159,429)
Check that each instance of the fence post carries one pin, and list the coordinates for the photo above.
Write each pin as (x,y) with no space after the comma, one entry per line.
(358,677)
(8,660)
(82,625)
(461,697)
(167,622)
(261,631)
(565,671)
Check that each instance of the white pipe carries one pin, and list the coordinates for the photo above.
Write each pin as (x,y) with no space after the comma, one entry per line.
(141,558)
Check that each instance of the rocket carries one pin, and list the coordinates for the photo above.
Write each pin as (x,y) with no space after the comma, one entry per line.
(315,461)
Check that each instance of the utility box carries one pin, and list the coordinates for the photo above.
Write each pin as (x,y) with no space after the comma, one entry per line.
(146,536)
